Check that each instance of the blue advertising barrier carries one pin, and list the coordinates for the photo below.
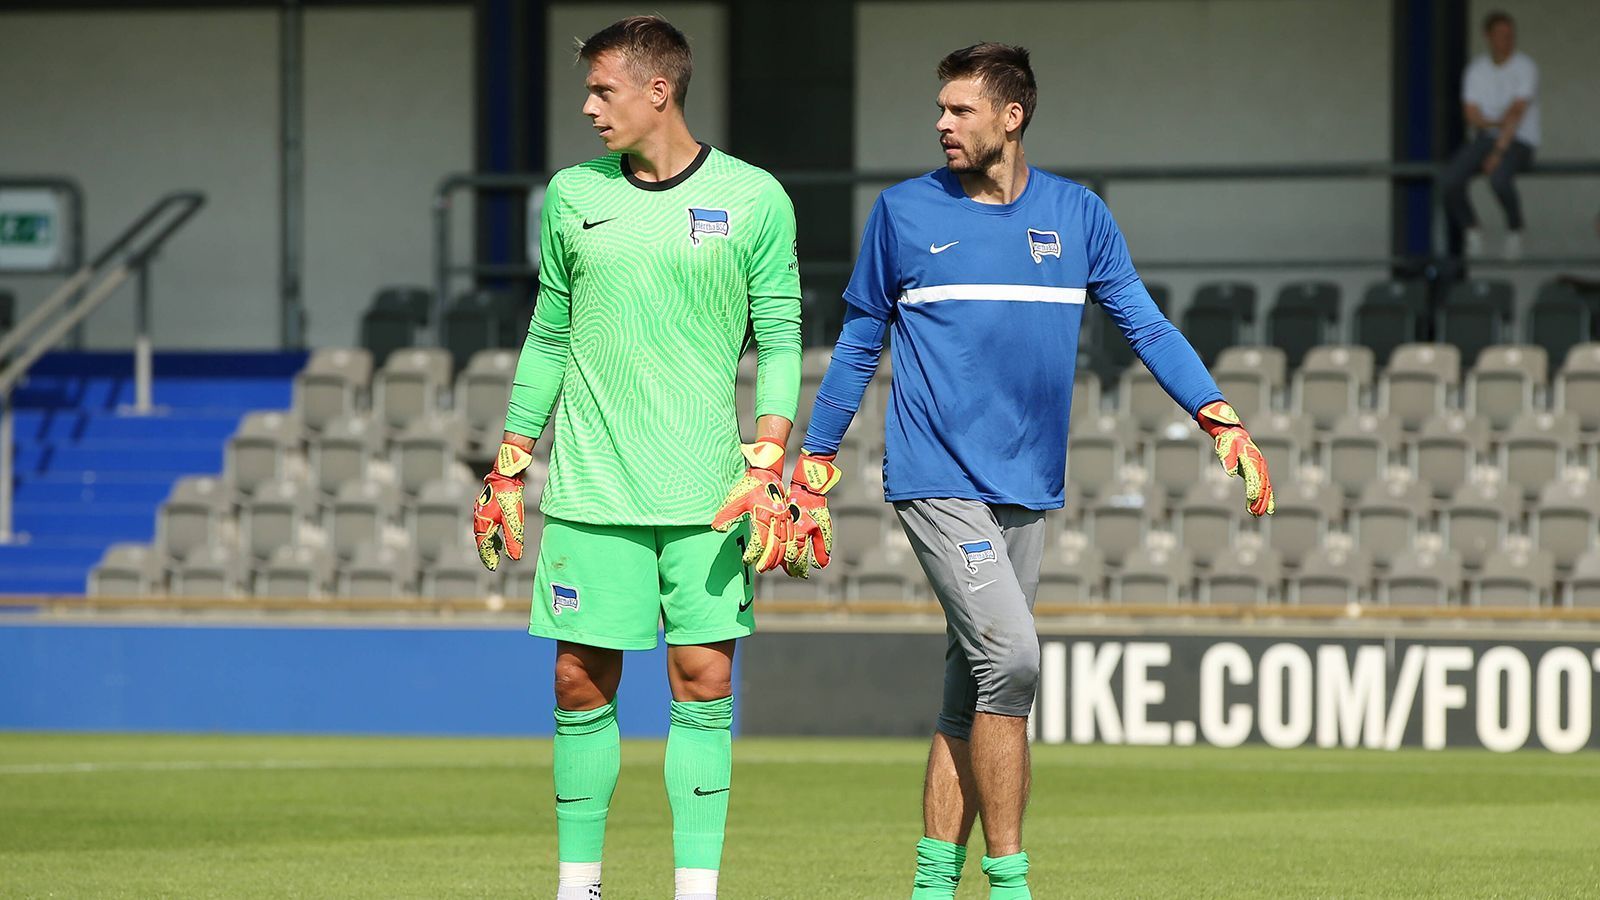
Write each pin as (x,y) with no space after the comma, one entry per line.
(300,679)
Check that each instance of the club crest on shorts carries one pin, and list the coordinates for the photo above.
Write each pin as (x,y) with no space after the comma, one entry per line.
(975,552)
(1042,244)
(706,223)
(563,597)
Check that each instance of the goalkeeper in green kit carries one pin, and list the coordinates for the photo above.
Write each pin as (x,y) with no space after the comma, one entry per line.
(657,260)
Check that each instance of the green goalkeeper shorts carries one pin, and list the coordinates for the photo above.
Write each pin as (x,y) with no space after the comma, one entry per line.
(615,585)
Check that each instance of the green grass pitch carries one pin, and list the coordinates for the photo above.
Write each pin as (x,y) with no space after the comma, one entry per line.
(204,816)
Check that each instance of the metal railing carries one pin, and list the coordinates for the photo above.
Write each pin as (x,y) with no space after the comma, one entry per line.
(1101,179)
(131,252)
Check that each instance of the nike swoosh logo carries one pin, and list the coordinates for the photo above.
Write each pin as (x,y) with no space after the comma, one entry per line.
(588,224)
(979,587)
(699,793)
(940,248)
(745,606)
(561,799)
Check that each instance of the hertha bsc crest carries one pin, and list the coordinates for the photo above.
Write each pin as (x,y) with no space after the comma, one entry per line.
(563,597)
(974,552)
(707,223)
(1042,244)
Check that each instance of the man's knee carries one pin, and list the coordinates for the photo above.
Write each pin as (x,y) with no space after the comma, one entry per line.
(1503,180)
(1012,679)
(584,683)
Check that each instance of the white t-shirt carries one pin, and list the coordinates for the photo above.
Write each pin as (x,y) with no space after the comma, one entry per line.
(1494,88)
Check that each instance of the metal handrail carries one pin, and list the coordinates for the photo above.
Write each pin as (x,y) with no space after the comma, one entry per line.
(136,246)
(1097,177)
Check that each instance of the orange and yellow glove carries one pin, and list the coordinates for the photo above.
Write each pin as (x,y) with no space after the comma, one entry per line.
(814,475)
(497,519)
(759,495)
(1239,455)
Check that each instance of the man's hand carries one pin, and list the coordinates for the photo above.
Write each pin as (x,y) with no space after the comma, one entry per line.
(1239,455)
(1492,161)
(814,475)
(759,494)
(497,519)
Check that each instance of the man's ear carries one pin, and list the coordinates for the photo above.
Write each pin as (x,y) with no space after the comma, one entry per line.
(660,92)
(1014,117)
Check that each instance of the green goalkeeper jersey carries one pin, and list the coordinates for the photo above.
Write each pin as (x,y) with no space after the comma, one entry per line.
(647,291)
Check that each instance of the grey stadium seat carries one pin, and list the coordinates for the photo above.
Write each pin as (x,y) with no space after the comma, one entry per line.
(1285,439)
(1444,453)
(1418,380)
(1536,449)
(1206,521)
(1236,296)
(341,453)
(482,391)
(427,448)
(1427,577)
(1304,316)
(1516,575)
(1388,516)
(1158,574)
(1177,455)
(859,530)
(1501,386)
(1306,511)
(127,570)
(1096,450)
(1072,571)
(1142,399)
(1252,573)
(272,518)
(192,514)
(1390,314)
(891,574)
(358,516)
(1085,394)
(1564,519)
(210,571)
(299,571)
(457,574)
(1578,385)
(257,450)
(1330,383)
(410,384)
(826,585)
(1583,587)
(441,518)
(1250,377)
(1356,452)
(1477,519)
(378,571)
(1337,573)
(333,386)
(1117,521)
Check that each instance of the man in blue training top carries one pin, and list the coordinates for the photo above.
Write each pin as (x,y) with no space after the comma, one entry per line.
(981,270)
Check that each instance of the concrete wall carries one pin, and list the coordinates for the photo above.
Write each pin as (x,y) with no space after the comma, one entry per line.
(137,103)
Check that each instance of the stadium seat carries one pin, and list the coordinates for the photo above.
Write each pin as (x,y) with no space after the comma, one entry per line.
(518,584)
(859,530)
(1176,456)
(1578,385)
(1238,297)
(819,586)
(1558,321)
(458,574)
(892,573)
(1286,440)
(378,571)
(1516,575)
(213,570)
(426,450)
(1476,314)
(127,570)
(1212,329)
(484,319)
(1162,295)
(1477,519)
(482,392)
(442,518)
(1431,576)
(333,386)
(1564,519)
(1096,451)
(1496,293)
(1443,454)
(273,516)
(1337,573)
(1502,385)
(341,453)
(1306,511)
(1252,573)
(1206,520)
(359,516)
(1250,377)
(410,384)
(257,450)
(1071,571)
(1356,452)
(1156,573)
(1330,383)
(1085,394)
(191,515)
(1417,382)
(1536,448)
(1117,520)
(1583,587)
(1142,399)
(1305,315)
(1390,315)
(298,571)
(392,321)
(1388,516)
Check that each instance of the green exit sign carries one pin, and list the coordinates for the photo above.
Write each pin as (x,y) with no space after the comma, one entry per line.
(24,229)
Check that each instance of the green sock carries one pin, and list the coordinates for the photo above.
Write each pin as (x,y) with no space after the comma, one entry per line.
(938,869)
(1008,877)
(699,771)
(588,756)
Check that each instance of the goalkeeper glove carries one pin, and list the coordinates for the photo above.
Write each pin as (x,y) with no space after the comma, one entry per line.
(497,519)
(814,475)
(1239,455)
(759,495)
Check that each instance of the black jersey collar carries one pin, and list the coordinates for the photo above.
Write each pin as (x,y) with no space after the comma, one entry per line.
(670,183)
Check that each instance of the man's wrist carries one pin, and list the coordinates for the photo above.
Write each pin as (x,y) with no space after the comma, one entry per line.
(518,440)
